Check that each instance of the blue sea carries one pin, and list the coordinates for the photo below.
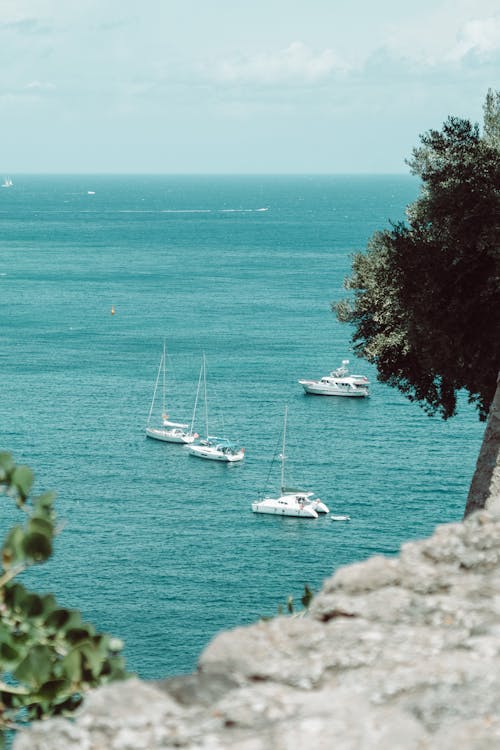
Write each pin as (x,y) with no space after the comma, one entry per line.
(158,547)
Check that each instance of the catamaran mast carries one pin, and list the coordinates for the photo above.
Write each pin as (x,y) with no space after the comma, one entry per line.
(283,454)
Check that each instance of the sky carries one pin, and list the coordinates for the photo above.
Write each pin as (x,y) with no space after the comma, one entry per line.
(237,86)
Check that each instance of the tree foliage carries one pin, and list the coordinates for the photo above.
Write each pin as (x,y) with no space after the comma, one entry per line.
(426,293)
(48,656)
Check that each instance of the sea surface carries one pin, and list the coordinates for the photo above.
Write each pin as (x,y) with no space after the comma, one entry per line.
(158,547)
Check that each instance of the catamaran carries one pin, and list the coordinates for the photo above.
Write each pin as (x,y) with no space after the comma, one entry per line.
(291,502)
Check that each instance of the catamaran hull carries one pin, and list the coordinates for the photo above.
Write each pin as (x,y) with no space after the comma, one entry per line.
(320,389)
(167,436)
(211,455)
(275,510)
(320,507)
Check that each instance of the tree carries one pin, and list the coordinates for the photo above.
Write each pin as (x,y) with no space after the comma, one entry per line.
(48,656)
(491,119)
(426,293)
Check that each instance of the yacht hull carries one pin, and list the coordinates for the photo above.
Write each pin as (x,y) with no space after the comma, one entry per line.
(168,436)
(281,507)
(320,389)
(211,454)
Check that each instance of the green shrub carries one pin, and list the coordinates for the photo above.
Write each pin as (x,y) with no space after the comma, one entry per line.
(48,656)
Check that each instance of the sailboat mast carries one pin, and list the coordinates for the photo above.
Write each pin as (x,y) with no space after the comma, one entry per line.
(164,412)
(156,388)
(283,453)
(205,393)
(196,399)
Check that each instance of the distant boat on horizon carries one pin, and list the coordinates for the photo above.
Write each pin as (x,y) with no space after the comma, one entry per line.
(7,182)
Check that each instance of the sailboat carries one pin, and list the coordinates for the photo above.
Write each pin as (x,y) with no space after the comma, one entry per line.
(169,432)
(291,502)
(211,447)
(7,182)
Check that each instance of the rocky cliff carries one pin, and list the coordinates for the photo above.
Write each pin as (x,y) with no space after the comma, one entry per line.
(394,653)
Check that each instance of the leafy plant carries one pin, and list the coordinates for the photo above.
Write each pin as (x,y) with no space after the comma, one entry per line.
(48,656)
(305,600)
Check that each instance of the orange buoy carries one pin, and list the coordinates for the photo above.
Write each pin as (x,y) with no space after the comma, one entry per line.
(112,310)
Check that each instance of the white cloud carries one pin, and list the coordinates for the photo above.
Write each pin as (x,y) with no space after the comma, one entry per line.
(480,37)
(296,64)
(445,35)
(39,86)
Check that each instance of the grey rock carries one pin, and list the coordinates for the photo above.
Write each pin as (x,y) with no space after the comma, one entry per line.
(393,654)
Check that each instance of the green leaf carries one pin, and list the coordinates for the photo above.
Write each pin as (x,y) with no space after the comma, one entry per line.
(54,689)
(72,666)
(9,656)
(15,595)
(13,549)
(33,605)
(6,464)
(49,604)
(37,547)
(39,525)
(36,667)
(45,501)
(94,659)
(23,478)
(60,620)
(78,635)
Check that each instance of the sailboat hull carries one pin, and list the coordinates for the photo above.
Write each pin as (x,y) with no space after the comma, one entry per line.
(169,436)
(213,454)
(169,432)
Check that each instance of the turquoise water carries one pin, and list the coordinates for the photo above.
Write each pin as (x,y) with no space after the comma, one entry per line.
(161,548)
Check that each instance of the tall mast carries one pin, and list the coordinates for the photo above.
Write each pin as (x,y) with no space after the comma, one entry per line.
(205,393)
(283,453)
(196,399)
(164,411)
(154,392)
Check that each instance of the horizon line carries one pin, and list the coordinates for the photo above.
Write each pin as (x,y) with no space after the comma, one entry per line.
(208,174)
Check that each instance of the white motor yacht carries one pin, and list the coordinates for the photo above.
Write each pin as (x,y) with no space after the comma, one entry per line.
(338,383)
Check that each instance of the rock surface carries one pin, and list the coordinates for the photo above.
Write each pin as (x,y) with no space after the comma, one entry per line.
(394,653)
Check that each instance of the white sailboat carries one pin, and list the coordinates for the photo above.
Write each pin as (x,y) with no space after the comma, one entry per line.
(291,502)
(211,447)
(7,182)
(169,432)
